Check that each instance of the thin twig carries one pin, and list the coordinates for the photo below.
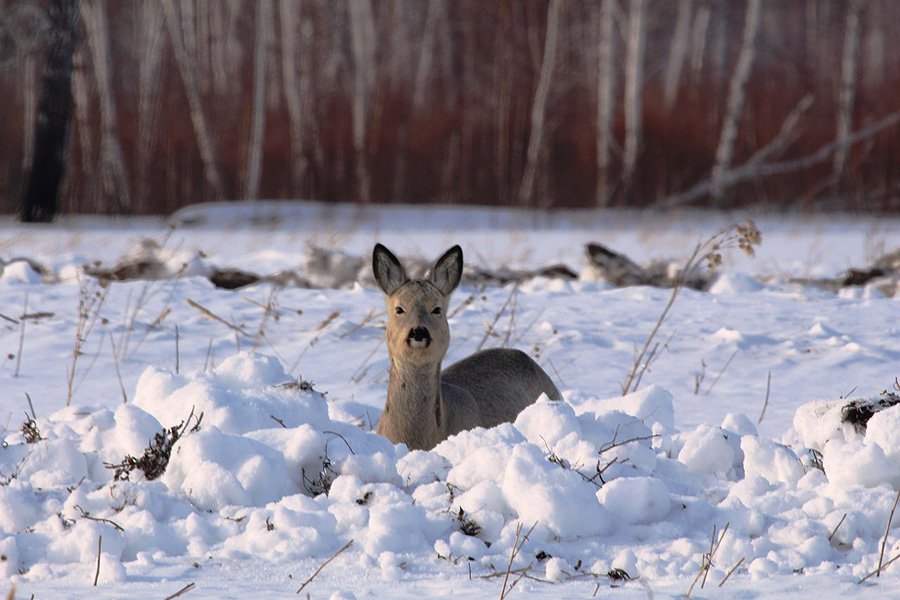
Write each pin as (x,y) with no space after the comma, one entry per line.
(706,563)
(216,317)
(21,337)
(882,567)
(99,547)
(361,371)
(490,326)
(512,556)
(115,354)
(370,316)
(766,402)
(31,406)
(650,358)
(268,309)
(886,531)
(615,444)
(323,565)
(733,569)
(517,546)
(335,433)
(182,591)
(86,515)
(512,321)
(676,289)
(836,527)
(209,351)
(728,362)
(315,338)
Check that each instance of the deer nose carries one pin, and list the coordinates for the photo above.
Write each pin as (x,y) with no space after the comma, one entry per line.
(418,337)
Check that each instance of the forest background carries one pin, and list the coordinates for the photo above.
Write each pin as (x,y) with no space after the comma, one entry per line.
(144,106)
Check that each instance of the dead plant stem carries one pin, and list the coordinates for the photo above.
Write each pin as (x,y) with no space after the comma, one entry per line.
(99,548)
(323,565)
(886,531)
(21,336)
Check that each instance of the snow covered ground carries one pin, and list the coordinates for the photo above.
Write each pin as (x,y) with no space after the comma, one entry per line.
(278,478)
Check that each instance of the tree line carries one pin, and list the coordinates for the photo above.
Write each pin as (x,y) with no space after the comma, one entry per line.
(142,107)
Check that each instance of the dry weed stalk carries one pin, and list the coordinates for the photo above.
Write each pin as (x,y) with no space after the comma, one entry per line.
(209,361)
(323,565)
(216,317)
(732,570)
(370,316)
(492,325)
(115,355)
(148,292)
(707,562)
(836,527)
(516,548)
(709,252)
(766,401)
(182,591)
(90,301)
(722,372)
(270,308)
(315,338)
(87,515)
(99,548)
(881,567)
(887,530)
(21,336)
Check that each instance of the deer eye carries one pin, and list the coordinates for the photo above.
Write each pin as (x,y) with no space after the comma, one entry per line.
(436,311)
(399,310)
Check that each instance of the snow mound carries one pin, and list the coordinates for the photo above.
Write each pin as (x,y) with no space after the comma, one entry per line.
(255,468)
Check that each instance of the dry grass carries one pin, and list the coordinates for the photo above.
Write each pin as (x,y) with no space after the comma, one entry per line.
(707,252)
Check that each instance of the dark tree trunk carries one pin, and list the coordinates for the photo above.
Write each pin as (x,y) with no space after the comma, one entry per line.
(41,200)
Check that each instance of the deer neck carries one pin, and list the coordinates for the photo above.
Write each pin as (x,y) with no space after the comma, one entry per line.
(414,405)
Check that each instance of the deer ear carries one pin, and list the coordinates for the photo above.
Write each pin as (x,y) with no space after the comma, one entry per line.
(447,270)
(389,273)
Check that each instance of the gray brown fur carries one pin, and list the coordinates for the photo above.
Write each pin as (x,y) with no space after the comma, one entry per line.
(424,404)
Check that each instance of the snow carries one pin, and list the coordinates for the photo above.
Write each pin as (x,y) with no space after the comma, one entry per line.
(276,467)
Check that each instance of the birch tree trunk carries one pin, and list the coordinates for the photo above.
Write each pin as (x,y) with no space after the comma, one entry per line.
(149,51)
(186,69)
(677,52)
(258,120)
(292,92)
(90,190)
(847,96)
(605,99)
(113,174)
(634,83)
(538,108)
(736,93)
(698,39)
(425,56)
(362,39)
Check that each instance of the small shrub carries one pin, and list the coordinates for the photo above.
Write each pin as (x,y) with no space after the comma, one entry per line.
(30,431)
(155,459)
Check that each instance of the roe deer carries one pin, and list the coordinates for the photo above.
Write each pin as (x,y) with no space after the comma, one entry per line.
(424,404)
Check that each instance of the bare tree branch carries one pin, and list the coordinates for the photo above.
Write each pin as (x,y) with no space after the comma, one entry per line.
(736,94)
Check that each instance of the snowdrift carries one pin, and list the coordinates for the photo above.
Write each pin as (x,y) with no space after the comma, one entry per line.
(257,468)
